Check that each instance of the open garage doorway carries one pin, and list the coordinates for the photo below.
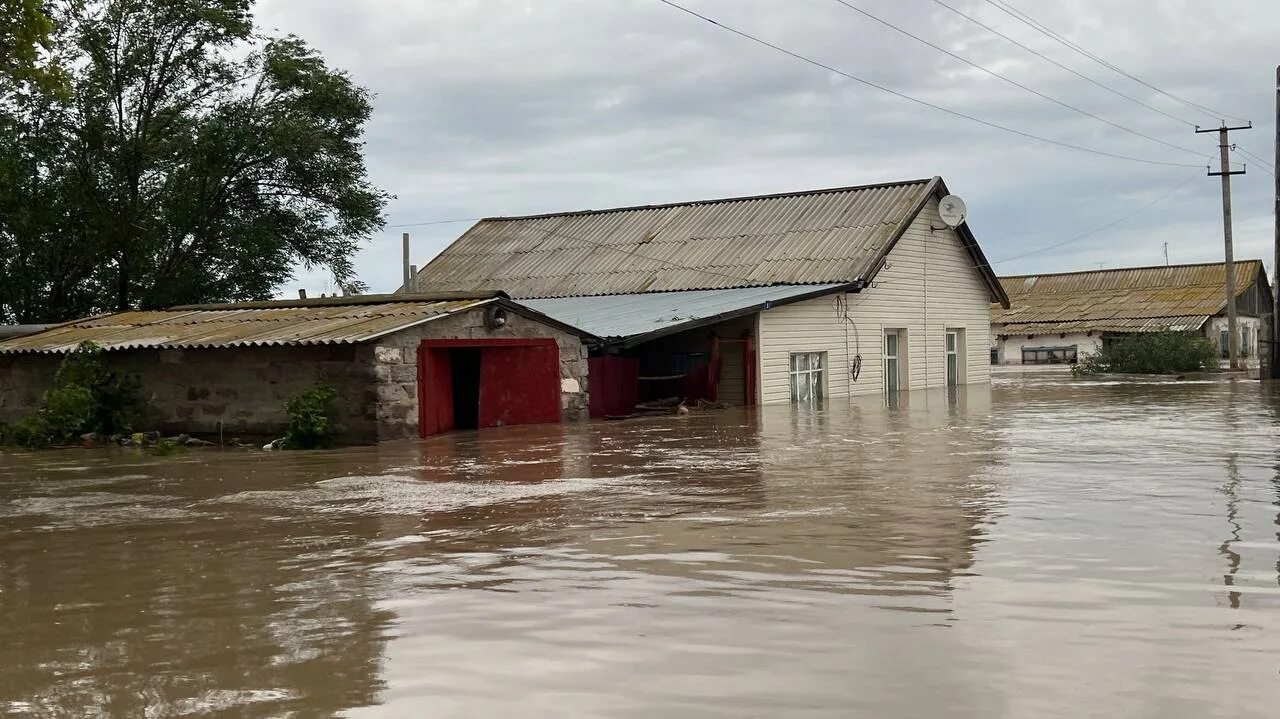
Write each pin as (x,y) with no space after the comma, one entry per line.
(474,384)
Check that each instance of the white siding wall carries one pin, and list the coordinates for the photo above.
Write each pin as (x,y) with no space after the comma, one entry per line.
(928,285)
(1011,348)
(1213,330)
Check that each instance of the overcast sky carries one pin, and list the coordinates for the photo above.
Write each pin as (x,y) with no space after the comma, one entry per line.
(505,107)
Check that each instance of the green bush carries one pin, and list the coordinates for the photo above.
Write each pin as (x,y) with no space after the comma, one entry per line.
(115,403)
(312,419)
(87,396)
(1164,352)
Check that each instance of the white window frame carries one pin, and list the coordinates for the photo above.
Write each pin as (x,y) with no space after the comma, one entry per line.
(810,374)
(951,343)
(890,389)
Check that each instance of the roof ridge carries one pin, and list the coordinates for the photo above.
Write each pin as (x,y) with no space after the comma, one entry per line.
(1126,269)
(711,201)
(343,301)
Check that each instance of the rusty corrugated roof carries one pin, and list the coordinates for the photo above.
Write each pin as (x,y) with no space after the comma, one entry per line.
(1133,324)
(817,237)
(261,324)
(1128,299)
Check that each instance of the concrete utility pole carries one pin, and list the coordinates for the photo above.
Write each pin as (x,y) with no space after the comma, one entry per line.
(1224,144)
(1275,268)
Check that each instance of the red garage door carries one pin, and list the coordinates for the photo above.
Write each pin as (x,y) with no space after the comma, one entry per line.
(472,384)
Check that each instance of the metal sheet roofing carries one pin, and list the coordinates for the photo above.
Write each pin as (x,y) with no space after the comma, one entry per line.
(817,237)
(304,322)
(1123,299)
(622,316)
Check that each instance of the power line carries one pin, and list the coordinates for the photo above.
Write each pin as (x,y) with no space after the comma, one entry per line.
(1107,226)
(436,222)
(1071,70)
(1013,82)
(1262,164)
(916,100)
(1026,19)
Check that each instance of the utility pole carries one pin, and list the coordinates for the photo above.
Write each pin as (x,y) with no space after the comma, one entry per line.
(1275,268)
(1224,144)
(1166,254)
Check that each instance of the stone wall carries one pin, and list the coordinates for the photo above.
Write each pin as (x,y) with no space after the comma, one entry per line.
(395,365)
(241,392)
(238,392)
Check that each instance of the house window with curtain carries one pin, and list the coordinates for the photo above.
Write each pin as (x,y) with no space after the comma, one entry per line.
(808,377)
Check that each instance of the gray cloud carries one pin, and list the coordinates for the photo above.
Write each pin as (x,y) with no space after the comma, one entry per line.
(491,107)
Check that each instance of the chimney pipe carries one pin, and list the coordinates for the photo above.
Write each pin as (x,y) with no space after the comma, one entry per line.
(404,240)
(413,279)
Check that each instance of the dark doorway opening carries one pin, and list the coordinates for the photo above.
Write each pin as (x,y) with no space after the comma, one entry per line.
(466,387)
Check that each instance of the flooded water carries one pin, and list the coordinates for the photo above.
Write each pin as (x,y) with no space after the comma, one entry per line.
(1040,548)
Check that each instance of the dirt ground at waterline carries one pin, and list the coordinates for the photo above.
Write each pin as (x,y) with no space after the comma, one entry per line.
(1042,547)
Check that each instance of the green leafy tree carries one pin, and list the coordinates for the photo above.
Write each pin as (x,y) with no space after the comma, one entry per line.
(191,159)
(24,40)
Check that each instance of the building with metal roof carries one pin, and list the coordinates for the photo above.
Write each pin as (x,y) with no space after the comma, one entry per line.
(1060,317)
(795,296)
(402,364)
(830,236)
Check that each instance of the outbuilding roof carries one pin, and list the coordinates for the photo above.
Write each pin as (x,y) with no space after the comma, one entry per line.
(643,317)
(323,321)
(831,236)
(1119,300)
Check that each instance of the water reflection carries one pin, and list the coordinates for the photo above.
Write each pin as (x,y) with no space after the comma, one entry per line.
(969,552)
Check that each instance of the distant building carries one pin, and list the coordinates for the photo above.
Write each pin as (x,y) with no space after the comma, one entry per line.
(795,297)
(1059,318)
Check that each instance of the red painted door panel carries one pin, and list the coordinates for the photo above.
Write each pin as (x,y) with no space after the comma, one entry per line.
(519,385)
(435,391)
(612,381)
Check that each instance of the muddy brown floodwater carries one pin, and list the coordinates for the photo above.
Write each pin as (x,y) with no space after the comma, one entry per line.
(1042,547)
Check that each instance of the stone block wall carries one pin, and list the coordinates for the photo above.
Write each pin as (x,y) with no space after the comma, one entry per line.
(236,392)
(23,381)
(395,366)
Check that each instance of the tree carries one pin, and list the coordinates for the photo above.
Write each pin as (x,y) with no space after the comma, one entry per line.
(24,34)
(190,160)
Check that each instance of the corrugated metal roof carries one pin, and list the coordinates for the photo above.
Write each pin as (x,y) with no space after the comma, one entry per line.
(817,237)
(1090,300)
(1152,324)
(622,316)
(314,322)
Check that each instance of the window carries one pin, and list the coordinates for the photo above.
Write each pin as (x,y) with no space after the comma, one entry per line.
(1049,355)
(808,377)
(1224,343)
(891,363)
(1246,334)
(995,355)
(955,357)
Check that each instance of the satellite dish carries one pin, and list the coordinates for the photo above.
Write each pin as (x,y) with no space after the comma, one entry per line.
(952,211)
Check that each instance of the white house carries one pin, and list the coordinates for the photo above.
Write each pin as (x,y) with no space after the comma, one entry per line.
(1061,317)
(796,297)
